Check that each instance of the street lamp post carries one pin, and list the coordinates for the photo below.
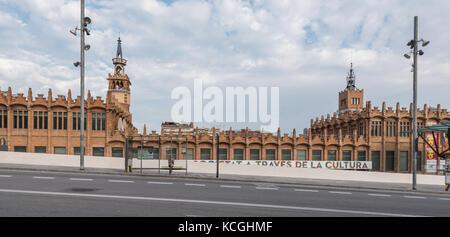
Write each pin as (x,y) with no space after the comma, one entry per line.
(217,157)
(413,44)
(82,89)
(142,151)
(83,47)
(171,158)
(414,163)
(185,151)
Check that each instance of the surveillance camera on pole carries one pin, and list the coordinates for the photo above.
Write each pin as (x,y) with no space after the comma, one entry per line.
(424,42)
(74,31)
(87,21)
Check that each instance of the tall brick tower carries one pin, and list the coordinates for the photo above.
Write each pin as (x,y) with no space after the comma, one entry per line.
(351,98)
(119,83)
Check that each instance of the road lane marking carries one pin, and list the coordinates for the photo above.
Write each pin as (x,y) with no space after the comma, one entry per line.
(266,188)
(207,202)
(151,182)
(337,192)
(5,176)
(444,199)
(120,181)
(306,190)
(199,185)
(229,186)
(415,197)
(379,195)
(40,177)
(78,179)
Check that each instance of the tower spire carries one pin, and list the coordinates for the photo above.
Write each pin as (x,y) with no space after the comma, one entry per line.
(352,98)
(351,78)
(119,48)
(119,83)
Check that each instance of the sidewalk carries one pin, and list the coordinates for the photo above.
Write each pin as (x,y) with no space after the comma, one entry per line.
(438,189)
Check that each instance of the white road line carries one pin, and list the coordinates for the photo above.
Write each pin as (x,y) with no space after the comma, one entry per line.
(415,197)
(337,192)
(199,185)
(159,182)
(266,188)
(306,190)
(229,186)
(78,179)
(444,199)
(120,181)
(379,195)
(5,176)
(206,202)
(40,177)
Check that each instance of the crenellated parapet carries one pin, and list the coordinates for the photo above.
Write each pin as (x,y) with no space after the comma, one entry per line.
(19,99)
(355,124)
(60,100)
(40,100)
(9,99)
(354,89)
(245,138)
(377,112)
(96,103)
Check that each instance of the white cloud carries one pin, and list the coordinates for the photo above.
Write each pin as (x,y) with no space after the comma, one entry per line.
(9,21)
(233,42)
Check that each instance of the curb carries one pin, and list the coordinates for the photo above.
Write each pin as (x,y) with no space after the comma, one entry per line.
(221,179)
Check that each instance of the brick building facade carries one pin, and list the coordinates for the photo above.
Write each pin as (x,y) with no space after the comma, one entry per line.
(52,125)
(355,132)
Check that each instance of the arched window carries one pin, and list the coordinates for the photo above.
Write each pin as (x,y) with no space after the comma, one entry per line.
(118,70)
(391,128)
(405,128)
(375,129)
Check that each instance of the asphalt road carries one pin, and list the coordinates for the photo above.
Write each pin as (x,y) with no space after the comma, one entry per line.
(30,193)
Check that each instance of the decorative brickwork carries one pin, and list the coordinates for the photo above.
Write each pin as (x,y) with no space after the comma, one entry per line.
(52,123)
(355,132)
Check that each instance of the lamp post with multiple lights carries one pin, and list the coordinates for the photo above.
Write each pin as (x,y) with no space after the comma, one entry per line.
(85,21)
(413,44)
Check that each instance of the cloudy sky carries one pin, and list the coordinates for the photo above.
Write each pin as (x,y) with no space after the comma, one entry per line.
(302,47)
